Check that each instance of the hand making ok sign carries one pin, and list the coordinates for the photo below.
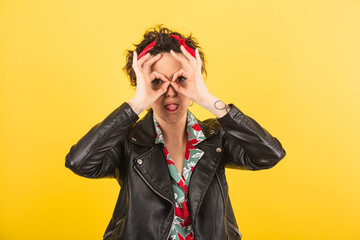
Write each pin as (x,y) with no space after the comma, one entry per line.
(194,86)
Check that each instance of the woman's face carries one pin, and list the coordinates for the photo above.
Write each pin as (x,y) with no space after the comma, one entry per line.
(168,66)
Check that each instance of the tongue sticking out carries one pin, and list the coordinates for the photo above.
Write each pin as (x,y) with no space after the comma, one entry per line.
(172,107)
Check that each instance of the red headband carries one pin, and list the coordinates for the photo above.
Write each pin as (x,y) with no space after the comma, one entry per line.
(179,39)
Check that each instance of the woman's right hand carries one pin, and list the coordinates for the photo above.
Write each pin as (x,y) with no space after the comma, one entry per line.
(146,91)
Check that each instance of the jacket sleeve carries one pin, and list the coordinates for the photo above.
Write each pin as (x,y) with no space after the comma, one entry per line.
(246,144)
(99,152)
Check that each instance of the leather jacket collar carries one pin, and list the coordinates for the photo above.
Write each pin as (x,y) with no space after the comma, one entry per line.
(144,134)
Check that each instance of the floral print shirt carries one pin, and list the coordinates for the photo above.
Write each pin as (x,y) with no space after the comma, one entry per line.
(182,227)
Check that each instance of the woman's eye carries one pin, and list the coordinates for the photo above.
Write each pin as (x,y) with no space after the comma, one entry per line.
(156,81)
(181,78)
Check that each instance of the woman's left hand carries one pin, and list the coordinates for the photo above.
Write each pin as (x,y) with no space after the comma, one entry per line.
(193,86)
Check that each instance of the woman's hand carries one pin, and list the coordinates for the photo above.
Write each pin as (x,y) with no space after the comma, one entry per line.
(193,86)
(147,88)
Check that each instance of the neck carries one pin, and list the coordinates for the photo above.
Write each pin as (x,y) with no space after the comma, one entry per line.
(176,131)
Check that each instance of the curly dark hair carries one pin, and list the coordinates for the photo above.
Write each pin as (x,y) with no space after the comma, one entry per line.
(163,43)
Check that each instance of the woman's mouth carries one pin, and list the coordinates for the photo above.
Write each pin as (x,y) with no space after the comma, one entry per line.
(171,107)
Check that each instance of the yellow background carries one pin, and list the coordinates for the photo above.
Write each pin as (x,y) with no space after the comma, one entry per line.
(293,66)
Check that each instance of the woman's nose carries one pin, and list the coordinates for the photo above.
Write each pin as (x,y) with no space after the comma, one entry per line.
(171,91)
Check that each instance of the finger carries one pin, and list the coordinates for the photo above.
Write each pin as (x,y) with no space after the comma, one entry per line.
(161,90)
(177,87)
(158,75)
(153,59)
(148,64)
(181,72)
(198,58)
(134,62)
(143,59)
(183,60)
(188,55)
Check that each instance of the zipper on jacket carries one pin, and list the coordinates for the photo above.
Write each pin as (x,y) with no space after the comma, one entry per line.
(234,228)
(172,220)
(110,232)
(172,223)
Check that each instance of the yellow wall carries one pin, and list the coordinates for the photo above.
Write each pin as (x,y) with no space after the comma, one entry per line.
(294,66)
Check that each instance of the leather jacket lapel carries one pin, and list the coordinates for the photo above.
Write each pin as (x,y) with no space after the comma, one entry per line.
(154,171)
(202,176)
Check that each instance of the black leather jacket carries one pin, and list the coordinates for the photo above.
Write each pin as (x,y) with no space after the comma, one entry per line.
(123,148)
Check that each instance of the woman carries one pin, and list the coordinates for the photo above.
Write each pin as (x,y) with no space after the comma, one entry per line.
(169,164)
